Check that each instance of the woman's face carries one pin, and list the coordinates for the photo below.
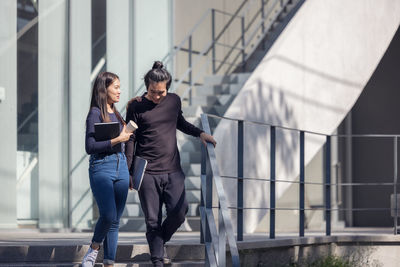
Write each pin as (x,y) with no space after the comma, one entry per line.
(113,92)
(157,91)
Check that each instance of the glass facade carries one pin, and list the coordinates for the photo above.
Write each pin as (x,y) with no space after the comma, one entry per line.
(50,53)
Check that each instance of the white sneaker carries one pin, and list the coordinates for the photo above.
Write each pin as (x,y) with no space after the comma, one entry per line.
(90,258)
(166,259)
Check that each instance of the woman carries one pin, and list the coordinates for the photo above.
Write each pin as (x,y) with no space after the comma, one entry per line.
(108,171)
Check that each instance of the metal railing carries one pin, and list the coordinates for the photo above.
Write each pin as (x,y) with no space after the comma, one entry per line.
(214,240)
(249,36)
(213,175)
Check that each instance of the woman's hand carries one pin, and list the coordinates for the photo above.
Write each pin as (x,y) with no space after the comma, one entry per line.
(123,137)
(206,138)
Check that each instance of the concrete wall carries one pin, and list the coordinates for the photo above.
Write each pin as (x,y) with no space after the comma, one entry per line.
(375,112)
(357,251)
(309,79)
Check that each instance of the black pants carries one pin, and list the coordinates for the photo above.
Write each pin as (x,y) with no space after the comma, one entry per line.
(154,191)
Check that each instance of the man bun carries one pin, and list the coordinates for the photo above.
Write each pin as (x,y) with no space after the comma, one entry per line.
(157,65)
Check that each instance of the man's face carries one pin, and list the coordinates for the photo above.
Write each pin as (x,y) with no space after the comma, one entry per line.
(157,91)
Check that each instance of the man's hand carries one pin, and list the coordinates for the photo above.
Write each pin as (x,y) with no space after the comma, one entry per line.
(206,138)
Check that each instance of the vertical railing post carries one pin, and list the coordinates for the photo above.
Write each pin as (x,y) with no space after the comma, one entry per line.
(208,200)
(262,22)
(395,185)
(213,38)
(272,184)
(328,185)
(221,240)
(301,184)
(191,70)
(243,44)
(240,182)
(202,200)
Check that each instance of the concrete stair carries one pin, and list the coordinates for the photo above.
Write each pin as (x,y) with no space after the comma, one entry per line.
(72,254)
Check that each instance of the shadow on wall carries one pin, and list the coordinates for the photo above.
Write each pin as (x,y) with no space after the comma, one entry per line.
(256,145)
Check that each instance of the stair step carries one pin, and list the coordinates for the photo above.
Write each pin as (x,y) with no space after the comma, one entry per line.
(192,111)
(72,254)
(133,197)
(133,210)
(188,157)
(235,88)
(193,196)
(229,79)
(137,224)
(204,100)
(130,264)
(192,182)
(225,100)
(210,90)
(193,170)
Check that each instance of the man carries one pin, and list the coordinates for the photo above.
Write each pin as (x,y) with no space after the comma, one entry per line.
(158,116)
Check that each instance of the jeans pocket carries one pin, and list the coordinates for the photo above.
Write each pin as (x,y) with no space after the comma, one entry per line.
(96,162)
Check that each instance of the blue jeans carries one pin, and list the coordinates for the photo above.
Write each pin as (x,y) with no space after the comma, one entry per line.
(109,181)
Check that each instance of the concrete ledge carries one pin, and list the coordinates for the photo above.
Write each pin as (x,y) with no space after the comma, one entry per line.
(319,240)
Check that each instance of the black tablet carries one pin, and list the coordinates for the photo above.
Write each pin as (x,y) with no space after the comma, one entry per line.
(106,130)
(139,167)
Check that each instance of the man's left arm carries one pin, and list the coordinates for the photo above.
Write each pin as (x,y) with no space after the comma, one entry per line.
(186,127)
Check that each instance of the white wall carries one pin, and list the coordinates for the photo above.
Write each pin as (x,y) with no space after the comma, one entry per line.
(80,55)
(152,36)
(308,80)
(53,122)
(8,112)
(120,46)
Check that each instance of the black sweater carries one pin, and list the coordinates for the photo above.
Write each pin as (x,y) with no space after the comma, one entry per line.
(96,147)
(155,138)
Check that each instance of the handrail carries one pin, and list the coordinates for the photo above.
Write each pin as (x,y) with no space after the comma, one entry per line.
(328,206)
(225,229)
(305,131)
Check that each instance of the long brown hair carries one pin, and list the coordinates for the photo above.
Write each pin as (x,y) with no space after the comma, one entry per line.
(99,95)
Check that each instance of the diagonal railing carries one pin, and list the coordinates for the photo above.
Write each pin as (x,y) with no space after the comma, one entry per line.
(251,30)
(213,238)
